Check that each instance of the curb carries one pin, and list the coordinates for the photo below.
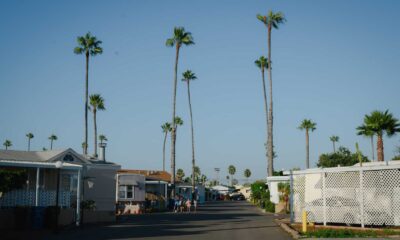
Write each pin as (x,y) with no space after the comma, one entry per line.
(286,228)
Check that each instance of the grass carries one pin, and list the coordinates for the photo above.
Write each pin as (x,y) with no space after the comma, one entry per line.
(347,233)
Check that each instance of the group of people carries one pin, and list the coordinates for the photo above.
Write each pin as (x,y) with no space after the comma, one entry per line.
(184,205)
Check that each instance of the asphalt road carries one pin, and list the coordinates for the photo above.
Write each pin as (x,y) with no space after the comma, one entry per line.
(219,220)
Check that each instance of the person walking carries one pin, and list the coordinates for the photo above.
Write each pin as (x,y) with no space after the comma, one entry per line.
(195,204)
(188,205)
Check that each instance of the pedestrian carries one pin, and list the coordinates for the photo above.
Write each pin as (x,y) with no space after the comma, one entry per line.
(176,204)
(188,205)
(182,204)
(195,204)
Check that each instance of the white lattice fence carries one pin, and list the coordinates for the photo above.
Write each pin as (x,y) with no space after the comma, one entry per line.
(27,198)
(366,196)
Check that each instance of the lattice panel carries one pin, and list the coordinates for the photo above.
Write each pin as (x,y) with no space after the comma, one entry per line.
(27,198)
(372,198)
(342,197)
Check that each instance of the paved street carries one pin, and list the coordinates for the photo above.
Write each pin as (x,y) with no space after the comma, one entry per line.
(220,220)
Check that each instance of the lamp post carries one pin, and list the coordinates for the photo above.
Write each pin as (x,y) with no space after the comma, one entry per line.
(59,165)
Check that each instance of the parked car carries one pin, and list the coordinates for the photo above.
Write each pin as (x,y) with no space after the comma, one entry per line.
(237,197)
(338,210)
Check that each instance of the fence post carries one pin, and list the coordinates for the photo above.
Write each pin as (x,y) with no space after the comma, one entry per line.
(291,198)
(362,197)
(324,196)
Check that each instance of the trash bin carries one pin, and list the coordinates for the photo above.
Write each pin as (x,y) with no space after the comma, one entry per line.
(38,217)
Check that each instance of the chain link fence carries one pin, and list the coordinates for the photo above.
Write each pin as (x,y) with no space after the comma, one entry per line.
(348,195)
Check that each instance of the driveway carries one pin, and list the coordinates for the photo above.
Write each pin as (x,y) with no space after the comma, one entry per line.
(219,220)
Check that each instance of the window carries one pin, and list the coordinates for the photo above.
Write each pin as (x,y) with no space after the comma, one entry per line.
(126,192)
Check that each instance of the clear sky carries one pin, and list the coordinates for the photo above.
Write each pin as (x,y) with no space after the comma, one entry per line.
(333,62)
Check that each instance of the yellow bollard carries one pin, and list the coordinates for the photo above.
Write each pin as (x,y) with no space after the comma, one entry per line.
(304,218)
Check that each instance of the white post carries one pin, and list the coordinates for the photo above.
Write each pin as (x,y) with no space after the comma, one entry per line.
(362,197)
(78,199)
(291,202)
(37,187)
(324,196)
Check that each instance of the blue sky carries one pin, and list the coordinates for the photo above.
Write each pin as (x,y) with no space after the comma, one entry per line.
(334,61)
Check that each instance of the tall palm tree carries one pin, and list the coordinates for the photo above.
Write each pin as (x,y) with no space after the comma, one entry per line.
(271,20)
(96,104)
(231,171)
(102,138)
(380,123)
(334,139)
(166,128)
(189,76)
(308,125)
(180,38)
(90,46)
(262,63)
(247,174)
(29,136)
(7,143)
(364,131)
(178,122)
(52,138)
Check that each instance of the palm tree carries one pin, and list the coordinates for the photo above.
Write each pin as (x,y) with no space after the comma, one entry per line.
(189,76)
(166,128)
(307,125)
(102,138)
(180,174)
(379,122)
(44,149)
(178,122)
(97,104)
(90,46)
(364,131)
(232,171)
(29,136)
(334,139)
(262,63)
(203,178)
(247,174)
(84,146)
(197,174)
(179,38)
(272,20)
(7,143)
(52,138)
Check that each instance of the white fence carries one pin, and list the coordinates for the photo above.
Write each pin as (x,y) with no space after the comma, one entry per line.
(351,195)
(27,198)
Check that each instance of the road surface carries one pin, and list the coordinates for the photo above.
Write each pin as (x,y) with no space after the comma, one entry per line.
(219,221)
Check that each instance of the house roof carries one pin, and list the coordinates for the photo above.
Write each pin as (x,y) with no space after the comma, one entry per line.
(45,156)
(149,174)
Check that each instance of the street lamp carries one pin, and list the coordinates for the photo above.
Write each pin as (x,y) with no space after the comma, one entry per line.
(59,165)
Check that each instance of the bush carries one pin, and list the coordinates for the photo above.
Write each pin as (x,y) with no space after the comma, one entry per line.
(270,207)
(261,196)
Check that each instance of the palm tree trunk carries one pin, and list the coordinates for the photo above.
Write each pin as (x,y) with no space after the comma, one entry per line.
(307,150)
(266,114)
(173,132)
(29,144)
(165,140)
(372,145)
(86,103)
(191,127)
(95,131)
(270,113)
(51,144)
(379,146)
(334,147)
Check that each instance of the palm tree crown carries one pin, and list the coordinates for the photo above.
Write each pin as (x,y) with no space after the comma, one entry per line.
(53,137)
(231,170)
(97,102)
(178,121)
(180,37)
(272,19)
(262,62)
(102,138)
(89,45)
(379,123)
(7,143)
(307,124)
(334,138)
(166,127)
(30,135)
(188,76)
(247,173)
